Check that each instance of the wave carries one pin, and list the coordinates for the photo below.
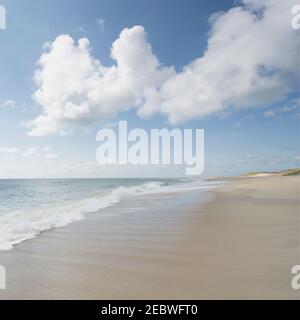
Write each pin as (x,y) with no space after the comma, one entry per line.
(20,225)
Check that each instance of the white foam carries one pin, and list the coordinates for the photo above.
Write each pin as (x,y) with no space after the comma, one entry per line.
(20,225)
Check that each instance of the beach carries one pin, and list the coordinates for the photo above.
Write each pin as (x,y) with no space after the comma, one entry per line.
(238,241)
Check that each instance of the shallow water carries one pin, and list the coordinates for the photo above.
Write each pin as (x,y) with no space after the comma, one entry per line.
(29,207)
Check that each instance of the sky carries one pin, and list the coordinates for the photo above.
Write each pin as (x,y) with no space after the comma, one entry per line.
(69,68)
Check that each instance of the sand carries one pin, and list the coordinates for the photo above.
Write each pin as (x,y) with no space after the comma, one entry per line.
(242,244)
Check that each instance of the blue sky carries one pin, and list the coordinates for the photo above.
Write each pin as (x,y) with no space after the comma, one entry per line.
(248,127)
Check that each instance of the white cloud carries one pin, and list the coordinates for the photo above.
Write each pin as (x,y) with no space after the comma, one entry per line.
(93,169)
(101,23)
(50,156)
(269,113)
(45,152)
(250,61)
(292,106)
(46,149)
(81,90)
(10,104)
(30,152)
(81,29)
(8,150)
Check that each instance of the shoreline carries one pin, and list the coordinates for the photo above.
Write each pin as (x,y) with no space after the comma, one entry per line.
(240,245)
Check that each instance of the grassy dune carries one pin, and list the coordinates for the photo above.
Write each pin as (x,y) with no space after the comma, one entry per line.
(285,173)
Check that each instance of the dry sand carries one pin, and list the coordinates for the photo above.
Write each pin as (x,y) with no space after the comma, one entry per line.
(241,245)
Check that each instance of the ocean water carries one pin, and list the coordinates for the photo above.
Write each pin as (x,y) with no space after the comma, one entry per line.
(29,207)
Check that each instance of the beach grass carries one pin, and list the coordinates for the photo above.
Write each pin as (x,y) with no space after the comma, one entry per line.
(291,172)
(284,173)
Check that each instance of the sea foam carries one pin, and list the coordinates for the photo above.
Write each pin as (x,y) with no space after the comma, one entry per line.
(19,225)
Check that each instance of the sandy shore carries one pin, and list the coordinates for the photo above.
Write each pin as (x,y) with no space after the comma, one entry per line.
(242,244)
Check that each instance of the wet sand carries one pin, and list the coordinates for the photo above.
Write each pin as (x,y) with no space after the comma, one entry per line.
(242,244)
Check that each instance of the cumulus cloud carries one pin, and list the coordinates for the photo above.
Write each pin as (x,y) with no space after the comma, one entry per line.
(75,88)
(250,61)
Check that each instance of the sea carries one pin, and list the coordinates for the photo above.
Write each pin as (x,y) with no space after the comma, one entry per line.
(29,207)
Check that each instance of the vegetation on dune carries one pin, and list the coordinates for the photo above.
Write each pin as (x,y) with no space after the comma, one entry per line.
(285,173)
(291,172)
